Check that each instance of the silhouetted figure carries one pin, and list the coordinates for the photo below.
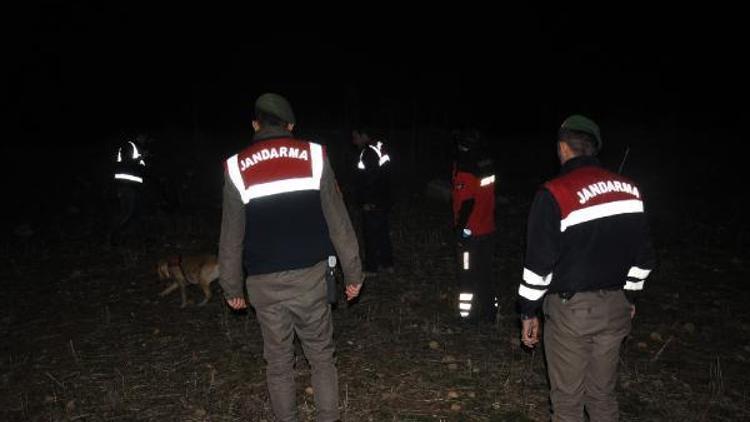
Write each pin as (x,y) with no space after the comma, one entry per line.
(373,194)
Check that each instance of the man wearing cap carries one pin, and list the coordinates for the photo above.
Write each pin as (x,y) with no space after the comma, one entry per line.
(588,255)
(282,217)
(474,223)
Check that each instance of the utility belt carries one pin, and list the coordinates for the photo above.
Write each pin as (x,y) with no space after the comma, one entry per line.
(566,296)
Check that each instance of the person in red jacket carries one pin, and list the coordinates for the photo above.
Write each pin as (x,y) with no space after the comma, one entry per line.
(474,222)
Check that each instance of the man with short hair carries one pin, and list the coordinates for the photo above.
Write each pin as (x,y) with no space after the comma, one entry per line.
(588,254)
(282,217)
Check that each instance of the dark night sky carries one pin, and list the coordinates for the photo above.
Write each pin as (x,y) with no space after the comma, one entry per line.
(83,72)
(102,67)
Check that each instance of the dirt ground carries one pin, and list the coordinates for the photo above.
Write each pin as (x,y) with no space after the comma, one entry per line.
(85,337)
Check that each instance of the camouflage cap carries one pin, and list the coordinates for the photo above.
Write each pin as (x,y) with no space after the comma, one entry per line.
(275,105)
(583,124)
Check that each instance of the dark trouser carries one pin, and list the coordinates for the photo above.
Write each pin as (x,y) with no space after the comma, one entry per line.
(475,277)
(129,215)
(309,316)
(582,338)
(378,249)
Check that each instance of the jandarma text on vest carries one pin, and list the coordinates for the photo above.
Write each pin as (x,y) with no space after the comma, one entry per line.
(600,188)
(269,153)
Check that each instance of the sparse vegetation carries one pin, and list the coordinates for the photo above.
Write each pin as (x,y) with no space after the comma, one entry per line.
(87,339)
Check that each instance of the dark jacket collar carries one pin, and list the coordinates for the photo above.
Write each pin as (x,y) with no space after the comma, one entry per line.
(578,162)
(271,133)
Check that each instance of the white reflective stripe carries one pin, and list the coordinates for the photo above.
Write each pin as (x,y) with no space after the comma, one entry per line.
(123,176)
(143,163)
(136,154)
(464,306)
(629,285)
(534,279)
(382,158)
(487,180)
(464,314)
(233,168)
(361,164)
(278,186)
(529,293)
(466,296)
(119,155)
(638,273)
(627,206)
(466,260)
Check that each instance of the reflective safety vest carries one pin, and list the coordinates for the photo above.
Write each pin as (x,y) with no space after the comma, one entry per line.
(383,158)
(129,163)
(279,181)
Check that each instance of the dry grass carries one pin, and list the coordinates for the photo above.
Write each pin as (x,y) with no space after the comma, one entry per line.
(87,339)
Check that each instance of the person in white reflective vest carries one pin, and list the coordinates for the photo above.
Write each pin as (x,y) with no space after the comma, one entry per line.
(129,177)
(374,198)
(474,222)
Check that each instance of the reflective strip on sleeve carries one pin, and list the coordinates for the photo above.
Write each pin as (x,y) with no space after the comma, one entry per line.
(466,260)
(487,180)
(123,176)
(633,286)
(595,212)
(638,273)
(529,293)
(534,279)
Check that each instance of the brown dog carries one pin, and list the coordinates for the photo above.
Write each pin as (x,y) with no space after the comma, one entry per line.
(184,270)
